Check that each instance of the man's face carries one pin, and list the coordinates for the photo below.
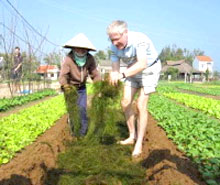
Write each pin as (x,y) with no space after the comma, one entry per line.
(120,40)
(17,51)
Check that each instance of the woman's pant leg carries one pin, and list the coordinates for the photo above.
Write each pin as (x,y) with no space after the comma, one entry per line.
(82,103)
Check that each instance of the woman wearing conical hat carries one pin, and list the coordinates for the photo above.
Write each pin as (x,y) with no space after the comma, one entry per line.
(76,67)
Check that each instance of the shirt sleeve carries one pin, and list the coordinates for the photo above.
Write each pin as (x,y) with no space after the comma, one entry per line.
(93,72)
(63,78)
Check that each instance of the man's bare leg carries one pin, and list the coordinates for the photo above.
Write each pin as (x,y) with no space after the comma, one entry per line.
(141,122)
(126,103)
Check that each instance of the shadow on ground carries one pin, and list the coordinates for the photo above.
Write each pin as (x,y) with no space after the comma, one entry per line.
(16,180)
(182,165)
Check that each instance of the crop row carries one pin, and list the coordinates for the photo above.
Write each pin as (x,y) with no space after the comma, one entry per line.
(7,103)
(200,89)
(207,105)
(21,129)
(193,132)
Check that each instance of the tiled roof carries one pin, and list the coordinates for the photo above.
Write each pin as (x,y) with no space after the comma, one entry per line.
(204,58)
(45,68)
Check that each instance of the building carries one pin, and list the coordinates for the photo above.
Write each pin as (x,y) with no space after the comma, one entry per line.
(203,63)
(185,71)
(50,72)
(105,66)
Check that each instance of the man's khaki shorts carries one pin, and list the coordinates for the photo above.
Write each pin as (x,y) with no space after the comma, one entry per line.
(148,79)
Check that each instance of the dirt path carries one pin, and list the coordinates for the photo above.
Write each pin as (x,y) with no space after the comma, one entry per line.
(164,164)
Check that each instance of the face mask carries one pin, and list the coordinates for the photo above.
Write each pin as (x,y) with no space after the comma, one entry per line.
(80,59)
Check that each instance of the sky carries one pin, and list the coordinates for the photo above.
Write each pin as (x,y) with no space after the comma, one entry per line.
(190,24)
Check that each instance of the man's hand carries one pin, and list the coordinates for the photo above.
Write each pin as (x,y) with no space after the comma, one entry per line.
(16,69)
(114,77)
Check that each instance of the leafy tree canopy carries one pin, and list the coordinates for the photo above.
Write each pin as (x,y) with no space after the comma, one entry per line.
(53,58)
(100,55)
(175,53)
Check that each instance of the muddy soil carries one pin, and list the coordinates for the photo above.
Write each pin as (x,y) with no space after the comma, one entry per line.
(164,164)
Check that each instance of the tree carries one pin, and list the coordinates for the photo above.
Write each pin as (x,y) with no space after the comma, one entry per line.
(29,67)
(179,54)
(207,73)
(175,53)
(10,36)
(53,58)
(100,55)
(171,71)
(109,52)
(198,52)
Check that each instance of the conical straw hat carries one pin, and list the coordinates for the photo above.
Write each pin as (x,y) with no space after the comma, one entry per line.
(80,41)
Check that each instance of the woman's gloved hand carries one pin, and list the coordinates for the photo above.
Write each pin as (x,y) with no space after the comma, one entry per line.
(66,87)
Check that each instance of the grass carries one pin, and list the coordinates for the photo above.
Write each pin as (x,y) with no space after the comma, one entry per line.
(71,96)
(96,159)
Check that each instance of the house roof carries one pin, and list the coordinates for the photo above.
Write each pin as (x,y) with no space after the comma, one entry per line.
(174,63)
(204,58)
(46,68)
(181,65)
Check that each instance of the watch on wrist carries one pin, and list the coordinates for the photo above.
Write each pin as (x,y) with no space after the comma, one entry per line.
(123,74)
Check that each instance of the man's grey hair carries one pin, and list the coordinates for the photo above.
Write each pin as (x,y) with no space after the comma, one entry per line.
(117,26)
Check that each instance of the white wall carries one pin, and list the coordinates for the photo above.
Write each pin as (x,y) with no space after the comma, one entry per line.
(203,65)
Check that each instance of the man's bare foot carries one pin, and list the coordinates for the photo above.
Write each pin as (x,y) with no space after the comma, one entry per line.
(137,149)
(128,141)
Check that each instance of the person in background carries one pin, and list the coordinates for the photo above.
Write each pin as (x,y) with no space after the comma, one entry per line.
(17,70)
(76,67)
(141,76)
